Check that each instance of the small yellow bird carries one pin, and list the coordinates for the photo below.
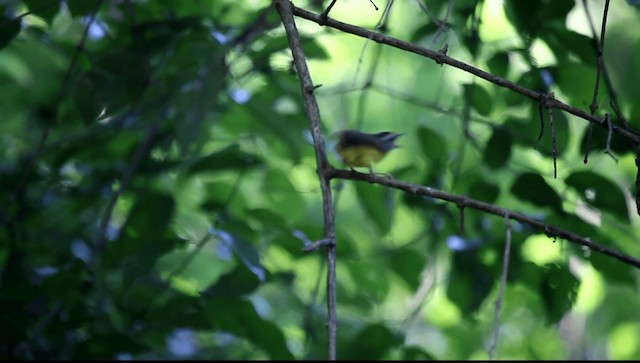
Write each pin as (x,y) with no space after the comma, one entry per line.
(360,149)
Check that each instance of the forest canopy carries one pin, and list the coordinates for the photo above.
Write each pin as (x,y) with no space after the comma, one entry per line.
(161,188)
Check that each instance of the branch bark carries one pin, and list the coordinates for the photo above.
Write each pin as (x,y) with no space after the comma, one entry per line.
(285,10)
(441,58)
(549,230)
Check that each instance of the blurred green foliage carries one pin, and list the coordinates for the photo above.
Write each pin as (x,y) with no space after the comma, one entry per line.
(164,212)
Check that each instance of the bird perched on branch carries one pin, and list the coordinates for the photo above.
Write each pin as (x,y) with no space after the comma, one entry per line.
(360,149)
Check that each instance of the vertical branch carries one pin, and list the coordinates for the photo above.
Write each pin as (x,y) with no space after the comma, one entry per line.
(599,49)
(503,284)
(541,114)
(588,143)
(607,149)
(285,11)
(554,144)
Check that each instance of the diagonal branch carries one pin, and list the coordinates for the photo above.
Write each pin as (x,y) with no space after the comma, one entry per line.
(549,230)
(285,9)
(443,58)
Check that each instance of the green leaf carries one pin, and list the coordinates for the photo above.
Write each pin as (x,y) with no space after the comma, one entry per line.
(238,316)
(499,64)
(484,191)
(479,98)
(144,236)
(407,264)
(150,215)
(576,80)
(240,281)
(376,202)
(532,18)
(280,43)
(373,283)
(280,192)
(599,139)
(230,157)
(564,42)
(82,7)
(525,15)
(423,31)
(534,189)
(559,289)
(371,343)
(613,270)
(10,29)
(469,282)
(244,250)
(416,354)
(498,149)
(600,192)
(103,345)
(179,310)
(45,10)
(433,145)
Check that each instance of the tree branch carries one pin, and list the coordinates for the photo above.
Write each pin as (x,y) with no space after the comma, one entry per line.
(285,10)
(549,230)
(443,58)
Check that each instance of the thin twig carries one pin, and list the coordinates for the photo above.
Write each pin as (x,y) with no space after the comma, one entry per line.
(503,285)
(442,25)
(607,150)
(550,230)
(541,114)
(599,50)
(554,145)
(587,146)
(315,245)
(439,57)
(325,13)
(285,10)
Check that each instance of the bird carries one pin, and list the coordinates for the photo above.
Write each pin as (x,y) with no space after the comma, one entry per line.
(361,149)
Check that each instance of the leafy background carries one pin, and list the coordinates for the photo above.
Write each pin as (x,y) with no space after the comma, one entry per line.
(165,213)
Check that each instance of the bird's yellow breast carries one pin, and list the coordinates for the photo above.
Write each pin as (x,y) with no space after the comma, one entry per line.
(361,156)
